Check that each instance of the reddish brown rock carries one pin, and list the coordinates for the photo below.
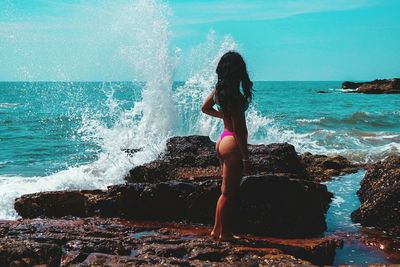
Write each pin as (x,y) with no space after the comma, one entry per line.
(58,204)
(17,252)
(194,157)
(267,204)
(90,241)
(380,196)
(385,86)
(322,168)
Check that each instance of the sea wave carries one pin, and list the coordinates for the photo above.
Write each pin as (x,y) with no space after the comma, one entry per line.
(306,121)
(5,163)
(8,105)
(376,119)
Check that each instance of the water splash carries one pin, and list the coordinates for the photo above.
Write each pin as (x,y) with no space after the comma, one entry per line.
(190,96)
(145,26)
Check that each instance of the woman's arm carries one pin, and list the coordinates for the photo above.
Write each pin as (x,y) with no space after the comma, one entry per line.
(208,108)
(240,131)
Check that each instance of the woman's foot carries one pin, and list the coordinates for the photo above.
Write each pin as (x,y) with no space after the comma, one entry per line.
(214,235)
(228,237)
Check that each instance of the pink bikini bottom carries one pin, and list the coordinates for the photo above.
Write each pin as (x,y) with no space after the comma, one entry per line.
(226,133)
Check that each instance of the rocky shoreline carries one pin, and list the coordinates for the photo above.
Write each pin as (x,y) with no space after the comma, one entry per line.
(385,86)
(380,197)
(162,215)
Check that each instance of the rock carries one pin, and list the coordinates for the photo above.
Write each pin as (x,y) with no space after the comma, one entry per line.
(98,241)
(322,168)
(60,203)
(268,204)
(379,195)
(350,85)
(275,205)
(194,157)
(14,252)
(385,86)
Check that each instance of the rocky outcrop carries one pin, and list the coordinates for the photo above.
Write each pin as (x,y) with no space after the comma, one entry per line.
(16,252)
(380,196)
(385,86)
(108,242)
(322,168)
(280,198)
(194,157)
(268,204)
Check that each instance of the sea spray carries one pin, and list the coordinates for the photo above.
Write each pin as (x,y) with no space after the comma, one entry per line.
(189,97)
(146,125)
(159,113)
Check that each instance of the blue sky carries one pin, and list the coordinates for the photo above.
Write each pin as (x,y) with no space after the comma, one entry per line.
(280,39)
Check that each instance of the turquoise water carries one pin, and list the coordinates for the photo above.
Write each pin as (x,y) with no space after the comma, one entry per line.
(41,123)
(338,220)
(59,135)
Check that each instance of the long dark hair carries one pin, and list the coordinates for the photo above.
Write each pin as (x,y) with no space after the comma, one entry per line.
(231,72)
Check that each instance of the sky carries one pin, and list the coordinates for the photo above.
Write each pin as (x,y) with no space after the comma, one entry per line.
(280,39)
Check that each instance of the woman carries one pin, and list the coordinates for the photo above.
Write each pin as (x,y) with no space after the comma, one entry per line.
(231,146)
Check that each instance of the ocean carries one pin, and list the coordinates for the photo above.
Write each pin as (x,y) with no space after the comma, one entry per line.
(72,135)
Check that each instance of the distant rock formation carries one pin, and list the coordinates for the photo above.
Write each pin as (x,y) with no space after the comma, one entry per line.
(385,86)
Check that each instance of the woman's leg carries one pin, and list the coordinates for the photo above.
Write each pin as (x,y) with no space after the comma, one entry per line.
(231,174)
(216,231)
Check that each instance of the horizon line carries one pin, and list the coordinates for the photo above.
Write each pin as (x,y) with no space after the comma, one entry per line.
(133,81)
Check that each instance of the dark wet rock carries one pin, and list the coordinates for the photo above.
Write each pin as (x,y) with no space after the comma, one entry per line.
(277,158)
(350,85)
(194,157)
(385,86)
(62,203)
(268,204)
(97,259)
(323,168)
(14,252)
(108,242)
(379,195)
(274,205)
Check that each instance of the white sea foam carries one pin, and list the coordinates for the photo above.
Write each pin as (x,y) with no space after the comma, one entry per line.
(159,114)
(337,200)
(306,121)
(147,124)
(8,105)
(382,136)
